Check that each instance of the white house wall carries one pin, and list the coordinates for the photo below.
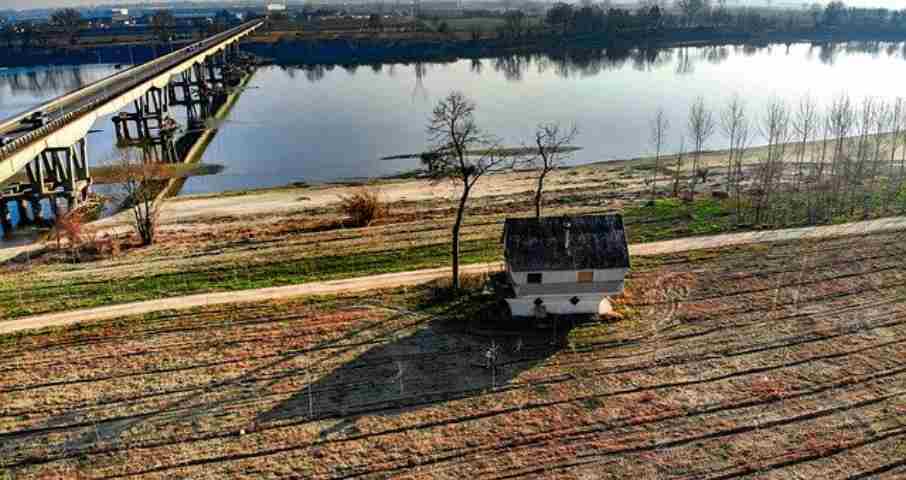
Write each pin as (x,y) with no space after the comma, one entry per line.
(590,288)
(560,305)
(570,276)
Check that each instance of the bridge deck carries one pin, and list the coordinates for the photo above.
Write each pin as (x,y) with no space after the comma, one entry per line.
(69,117)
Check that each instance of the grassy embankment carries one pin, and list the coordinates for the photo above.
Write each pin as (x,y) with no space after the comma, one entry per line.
(781,360)
(22,294)
(310,244)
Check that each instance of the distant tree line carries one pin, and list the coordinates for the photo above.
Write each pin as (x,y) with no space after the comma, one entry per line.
(565,18)
(65,25)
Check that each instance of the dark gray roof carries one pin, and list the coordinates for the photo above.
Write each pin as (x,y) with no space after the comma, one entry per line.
(595,242)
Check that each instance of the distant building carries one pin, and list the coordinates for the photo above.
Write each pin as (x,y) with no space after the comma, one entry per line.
(442,8)
(564,265)
(120,16)
(276,11)
(194,18)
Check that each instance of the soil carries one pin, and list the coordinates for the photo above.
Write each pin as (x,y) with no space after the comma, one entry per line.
(779,361)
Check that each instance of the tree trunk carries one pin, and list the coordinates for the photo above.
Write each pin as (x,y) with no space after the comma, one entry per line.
(657,164)
(460,212)
(538,193)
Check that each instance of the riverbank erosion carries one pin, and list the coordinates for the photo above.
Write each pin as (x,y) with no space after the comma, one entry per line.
(298,234)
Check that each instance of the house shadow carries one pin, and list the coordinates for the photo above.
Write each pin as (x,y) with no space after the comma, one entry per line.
(440,360)
(414,363)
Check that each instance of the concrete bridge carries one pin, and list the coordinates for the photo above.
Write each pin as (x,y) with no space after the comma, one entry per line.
(49,141)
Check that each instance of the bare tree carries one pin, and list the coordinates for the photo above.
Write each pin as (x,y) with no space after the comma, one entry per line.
(805,123)
(817,203)
(775,127)
(691,9)
(881,121)
(701,126)
(896,120)
(743,138)
(70,20)
(841,118)
(551,149)
(8,33)
(163,22)
(678,169)
(855,168)
(732,122)
(138,188)
(659,127)
(464,154)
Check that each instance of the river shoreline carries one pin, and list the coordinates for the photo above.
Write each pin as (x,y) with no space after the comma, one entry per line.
(304,51)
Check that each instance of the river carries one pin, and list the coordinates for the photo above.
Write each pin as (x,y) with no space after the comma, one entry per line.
(330,122)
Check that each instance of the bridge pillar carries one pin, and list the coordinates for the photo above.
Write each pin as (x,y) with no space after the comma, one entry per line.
(193,92)
(149,118)
(5,221)
(23,210)
(56,173)
(209,63)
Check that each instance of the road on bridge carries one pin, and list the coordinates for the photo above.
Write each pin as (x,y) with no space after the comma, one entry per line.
(62,110)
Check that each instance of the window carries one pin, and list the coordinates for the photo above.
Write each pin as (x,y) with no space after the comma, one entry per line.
(586,277)
(534,278)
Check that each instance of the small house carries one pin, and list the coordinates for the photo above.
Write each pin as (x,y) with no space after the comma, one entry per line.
(565,265)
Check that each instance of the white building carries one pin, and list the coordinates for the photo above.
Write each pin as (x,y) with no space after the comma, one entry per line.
(565,265)
(120,16)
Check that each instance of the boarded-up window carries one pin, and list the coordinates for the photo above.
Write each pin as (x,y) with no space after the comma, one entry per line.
(534,278)
(586,277)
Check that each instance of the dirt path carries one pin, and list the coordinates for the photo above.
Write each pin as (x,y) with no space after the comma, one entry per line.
(392,280)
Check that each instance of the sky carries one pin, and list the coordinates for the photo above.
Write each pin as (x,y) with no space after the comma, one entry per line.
(24,4)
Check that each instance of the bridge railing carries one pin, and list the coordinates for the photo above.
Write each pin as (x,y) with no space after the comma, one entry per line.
(124,81)
(59,102)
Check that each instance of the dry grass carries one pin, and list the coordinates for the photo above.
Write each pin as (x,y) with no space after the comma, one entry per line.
(765,371)
(363,207)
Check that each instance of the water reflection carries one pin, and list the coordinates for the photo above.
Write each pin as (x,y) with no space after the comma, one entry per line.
(38,81)
(586,62)
(566,63)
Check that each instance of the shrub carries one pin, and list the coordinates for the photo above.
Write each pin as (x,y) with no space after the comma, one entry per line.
(363,207)
(103,246)
(69,227)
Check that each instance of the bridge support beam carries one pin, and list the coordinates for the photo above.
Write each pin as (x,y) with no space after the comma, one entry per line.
(5,221)
(150,117)
(193,92)
(206,72)
(57,173)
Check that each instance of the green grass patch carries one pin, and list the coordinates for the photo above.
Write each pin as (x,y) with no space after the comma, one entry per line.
(42,297)
(672,218)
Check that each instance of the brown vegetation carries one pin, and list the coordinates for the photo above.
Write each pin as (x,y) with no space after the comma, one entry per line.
(781,361)
(363,207)
(139,184)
